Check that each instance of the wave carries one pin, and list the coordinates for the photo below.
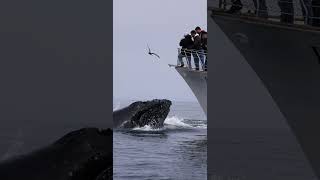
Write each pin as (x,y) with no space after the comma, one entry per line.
(177,122)
(147,128)
(173,123)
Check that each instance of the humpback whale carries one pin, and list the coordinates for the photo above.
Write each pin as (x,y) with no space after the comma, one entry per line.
(142,113)
(82,154)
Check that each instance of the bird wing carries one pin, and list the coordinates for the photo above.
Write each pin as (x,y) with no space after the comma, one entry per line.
(156,55)
(149,49)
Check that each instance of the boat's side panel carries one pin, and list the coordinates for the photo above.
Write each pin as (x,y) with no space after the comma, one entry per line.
(248,137)
(197,81)
(284,60)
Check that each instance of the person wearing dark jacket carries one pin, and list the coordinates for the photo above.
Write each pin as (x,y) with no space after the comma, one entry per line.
(261,9)
(236,7)
(204,39)
(198,30)
(196,48)
(196,40)
(202,34)
(186,44)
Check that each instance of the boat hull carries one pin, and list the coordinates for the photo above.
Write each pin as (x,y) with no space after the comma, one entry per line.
(197,81)
(284,59)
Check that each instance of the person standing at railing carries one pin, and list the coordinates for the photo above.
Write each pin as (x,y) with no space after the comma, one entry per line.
(310,10)
(196,48)
(316,13)
(201,51)
(287,11)
(261,9)
(204,39)
(306,9)
(186,44)
(236,6)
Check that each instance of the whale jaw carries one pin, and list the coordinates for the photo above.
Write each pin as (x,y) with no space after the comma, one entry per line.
(148,113)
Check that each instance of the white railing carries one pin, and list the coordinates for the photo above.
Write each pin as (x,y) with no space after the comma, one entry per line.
(287,11)
(192,59)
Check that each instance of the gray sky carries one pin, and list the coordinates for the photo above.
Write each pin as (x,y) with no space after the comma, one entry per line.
(161,24)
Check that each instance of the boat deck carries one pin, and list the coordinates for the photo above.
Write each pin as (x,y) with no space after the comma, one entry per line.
(270,21)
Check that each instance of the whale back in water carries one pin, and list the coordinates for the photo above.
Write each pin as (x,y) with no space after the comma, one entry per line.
(142,113)
(82,154)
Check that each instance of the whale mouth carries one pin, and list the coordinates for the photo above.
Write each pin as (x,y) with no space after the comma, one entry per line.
(151,113)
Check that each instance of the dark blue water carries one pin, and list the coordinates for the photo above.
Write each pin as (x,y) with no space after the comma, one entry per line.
(177,151)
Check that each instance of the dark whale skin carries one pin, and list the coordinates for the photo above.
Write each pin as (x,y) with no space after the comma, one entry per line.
(141,113)
(83,154)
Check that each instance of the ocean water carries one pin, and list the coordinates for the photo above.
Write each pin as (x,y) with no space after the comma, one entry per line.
(177,151)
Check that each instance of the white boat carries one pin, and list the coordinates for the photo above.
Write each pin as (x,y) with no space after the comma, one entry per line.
(196,80)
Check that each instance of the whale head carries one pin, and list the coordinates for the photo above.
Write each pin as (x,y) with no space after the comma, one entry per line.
(81,154)
(142,113)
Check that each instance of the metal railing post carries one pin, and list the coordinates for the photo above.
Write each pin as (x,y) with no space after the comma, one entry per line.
(306,10)
(193,54)
(178,56)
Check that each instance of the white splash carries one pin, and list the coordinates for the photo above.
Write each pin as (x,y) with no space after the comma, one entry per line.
(177,122)
(146,128)
(201,126)
(172,123)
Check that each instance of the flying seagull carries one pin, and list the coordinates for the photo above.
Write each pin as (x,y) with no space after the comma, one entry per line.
(151,53)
